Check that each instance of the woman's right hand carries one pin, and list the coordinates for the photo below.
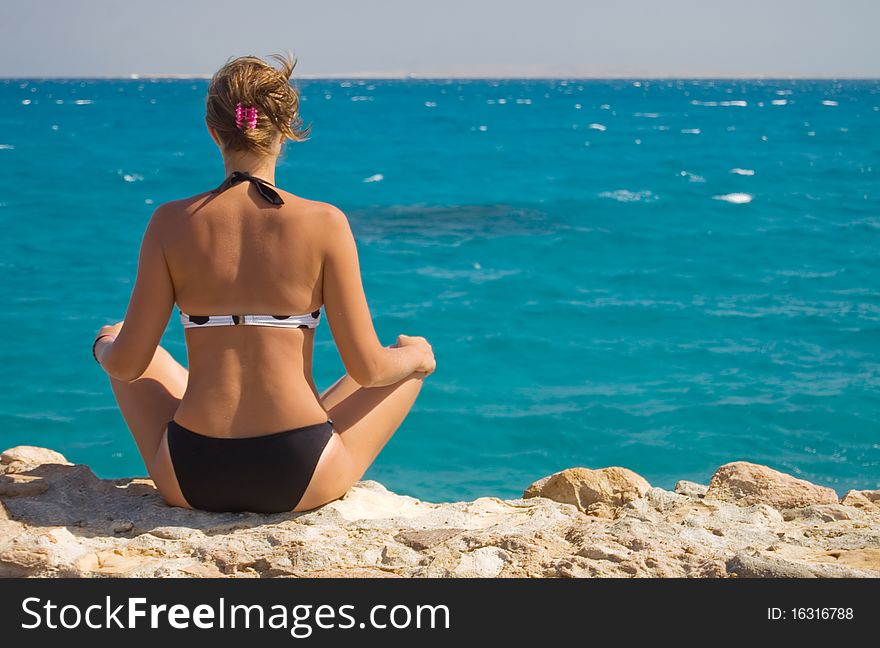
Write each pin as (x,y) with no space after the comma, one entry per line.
(427,364)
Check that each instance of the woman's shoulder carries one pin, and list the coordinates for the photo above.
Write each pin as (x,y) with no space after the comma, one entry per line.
(328,211)
(324,224)
(321,213)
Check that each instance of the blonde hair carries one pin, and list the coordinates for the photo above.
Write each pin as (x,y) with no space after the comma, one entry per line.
(251,81)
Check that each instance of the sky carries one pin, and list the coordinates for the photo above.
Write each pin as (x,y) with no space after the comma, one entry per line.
(758,38)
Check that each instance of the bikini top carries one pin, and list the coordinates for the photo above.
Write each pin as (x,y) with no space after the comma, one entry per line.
(307,320)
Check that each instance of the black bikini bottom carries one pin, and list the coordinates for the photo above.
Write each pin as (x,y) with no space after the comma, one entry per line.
(263,474)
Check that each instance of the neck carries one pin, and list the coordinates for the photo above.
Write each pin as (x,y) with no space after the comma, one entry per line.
(262,167)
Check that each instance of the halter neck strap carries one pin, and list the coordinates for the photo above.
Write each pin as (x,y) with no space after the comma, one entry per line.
(265,188)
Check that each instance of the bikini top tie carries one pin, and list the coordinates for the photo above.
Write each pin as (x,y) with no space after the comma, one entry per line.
(265,188)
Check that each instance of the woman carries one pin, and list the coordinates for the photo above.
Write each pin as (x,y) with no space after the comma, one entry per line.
(250,267)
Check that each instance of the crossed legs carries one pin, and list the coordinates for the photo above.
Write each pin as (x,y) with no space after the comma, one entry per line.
(364,418)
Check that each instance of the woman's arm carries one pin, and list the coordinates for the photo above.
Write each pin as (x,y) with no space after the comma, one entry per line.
(149,309)
(365,359)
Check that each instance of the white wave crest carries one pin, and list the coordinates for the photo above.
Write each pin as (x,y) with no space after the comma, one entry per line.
(625,195)
(736,198)
(735,102)
(598,127)
(743,172)
(376,177)
(692,177)
(804,274)
(829,102)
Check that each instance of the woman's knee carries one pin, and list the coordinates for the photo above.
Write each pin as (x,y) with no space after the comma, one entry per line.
(415,381)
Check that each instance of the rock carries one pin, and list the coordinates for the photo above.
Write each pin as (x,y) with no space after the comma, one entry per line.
(821,513)
(689,488)
(743,565)
(426,538)
(867,500)
(593,491)
(746,483)
(15,459)
(21,486)
(57,519)
(32,455)
(483,562)
(122,526)
(864,559)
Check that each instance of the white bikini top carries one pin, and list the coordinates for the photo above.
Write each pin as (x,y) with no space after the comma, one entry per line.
(308,320)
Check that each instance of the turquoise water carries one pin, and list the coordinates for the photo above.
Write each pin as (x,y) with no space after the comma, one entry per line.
(663,275)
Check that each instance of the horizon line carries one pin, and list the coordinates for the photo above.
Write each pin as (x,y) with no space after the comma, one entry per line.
(488,76)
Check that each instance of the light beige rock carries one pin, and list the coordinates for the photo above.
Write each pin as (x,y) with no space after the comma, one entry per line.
(822,513)
(32,455)
(74,525)
(746,483)
(691,489)
(21,457)
(867,500)
(758,565)
(597,492)
(864,559)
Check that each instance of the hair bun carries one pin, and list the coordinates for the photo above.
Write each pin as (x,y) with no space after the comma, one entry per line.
(241,122)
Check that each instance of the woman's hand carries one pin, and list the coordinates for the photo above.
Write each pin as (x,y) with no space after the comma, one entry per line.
(427,364)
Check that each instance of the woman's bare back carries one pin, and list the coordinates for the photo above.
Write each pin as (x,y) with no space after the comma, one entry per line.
(230,253)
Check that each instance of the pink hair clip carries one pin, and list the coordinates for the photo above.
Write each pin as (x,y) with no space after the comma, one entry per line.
(245,112)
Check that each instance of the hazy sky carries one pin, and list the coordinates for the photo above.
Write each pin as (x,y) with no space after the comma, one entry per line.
(640,37)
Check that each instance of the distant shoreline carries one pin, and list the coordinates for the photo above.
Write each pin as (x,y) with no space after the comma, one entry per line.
(412,76)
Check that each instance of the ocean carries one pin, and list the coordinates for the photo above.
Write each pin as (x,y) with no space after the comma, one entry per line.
(666,275)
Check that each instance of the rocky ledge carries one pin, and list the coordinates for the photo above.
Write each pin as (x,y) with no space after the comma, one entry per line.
(58,519)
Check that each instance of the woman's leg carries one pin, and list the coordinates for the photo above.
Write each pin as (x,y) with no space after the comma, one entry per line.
(364,419)
(147,404)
